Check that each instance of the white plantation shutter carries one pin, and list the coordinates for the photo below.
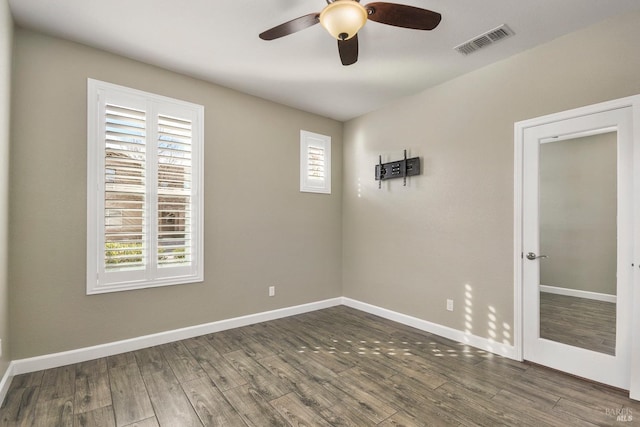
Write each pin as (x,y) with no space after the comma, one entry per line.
(144,198)
(174,191)
(124,188)
(315,162)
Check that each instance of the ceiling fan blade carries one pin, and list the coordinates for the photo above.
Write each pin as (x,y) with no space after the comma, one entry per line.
(400,15)
(348,50)
(291,27)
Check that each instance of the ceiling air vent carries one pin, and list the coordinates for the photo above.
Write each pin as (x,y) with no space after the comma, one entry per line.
(486,39)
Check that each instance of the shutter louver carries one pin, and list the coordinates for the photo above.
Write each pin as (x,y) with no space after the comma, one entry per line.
(124,188)
(174,192)
(315,162)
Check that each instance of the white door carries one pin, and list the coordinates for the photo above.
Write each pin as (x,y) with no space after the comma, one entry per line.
(577,245)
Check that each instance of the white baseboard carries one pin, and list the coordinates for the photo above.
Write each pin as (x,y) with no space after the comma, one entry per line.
(55,360)
(5,382)
(434,328)
(577,293)
(32,364)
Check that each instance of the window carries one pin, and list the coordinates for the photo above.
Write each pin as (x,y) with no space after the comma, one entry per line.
(144,190)
(315,162)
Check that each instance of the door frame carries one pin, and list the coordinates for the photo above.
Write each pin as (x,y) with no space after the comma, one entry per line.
(519,127)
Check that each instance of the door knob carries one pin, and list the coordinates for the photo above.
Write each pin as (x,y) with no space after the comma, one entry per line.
(533,256)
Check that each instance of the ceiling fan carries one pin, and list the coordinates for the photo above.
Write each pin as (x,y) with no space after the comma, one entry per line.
(344,18)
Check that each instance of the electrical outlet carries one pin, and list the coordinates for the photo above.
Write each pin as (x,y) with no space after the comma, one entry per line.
(272,291)
(450,305)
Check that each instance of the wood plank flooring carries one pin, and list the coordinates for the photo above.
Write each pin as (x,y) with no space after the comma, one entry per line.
(334,367)
(579,322)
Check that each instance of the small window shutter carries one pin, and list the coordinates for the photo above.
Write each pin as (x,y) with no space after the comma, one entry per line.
(315,163)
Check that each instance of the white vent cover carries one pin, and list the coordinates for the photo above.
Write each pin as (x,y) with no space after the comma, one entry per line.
(486,39)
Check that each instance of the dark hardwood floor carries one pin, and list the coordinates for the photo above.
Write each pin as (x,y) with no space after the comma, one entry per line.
(579,322)
(334,367)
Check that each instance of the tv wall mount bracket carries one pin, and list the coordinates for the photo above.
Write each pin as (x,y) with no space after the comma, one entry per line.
(398,169)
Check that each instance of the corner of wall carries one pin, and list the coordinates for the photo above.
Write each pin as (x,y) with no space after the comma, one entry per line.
(6,42)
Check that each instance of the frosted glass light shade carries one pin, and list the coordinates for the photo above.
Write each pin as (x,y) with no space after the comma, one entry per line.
(343,18)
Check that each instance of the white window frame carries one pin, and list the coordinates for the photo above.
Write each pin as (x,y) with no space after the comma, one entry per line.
(309,184)
(98,279)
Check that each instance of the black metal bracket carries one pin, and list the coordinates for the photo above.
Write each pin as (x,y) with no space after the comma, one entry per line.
(398,169)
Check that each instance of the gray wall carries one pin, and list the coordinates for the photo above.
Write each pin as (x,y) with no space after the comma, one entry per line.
(578,211)
(6,36)
(449,233)
(259,229)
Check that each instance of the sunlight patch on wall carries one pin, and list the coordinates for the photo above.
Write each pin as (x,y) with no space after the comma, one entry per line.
(468,311)
(499,337)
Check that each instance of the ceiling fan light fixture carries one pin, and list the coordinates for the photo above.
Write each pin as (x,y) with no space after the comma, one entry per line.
(343,18)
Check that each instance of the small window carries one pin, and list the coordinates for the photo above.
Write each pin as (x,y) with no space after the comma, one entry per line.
(145,190)
(315,163)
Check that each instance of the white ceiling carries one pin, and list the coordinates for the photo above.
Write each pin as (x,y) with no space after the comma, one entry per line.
(218,41)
